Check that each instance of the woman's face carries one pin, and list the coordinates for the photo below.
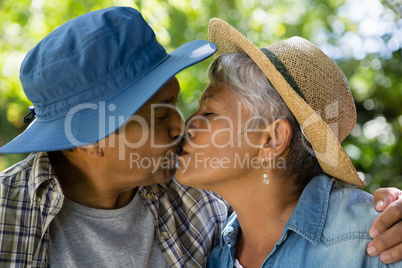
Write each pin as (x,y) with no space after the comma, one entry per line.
(219,149)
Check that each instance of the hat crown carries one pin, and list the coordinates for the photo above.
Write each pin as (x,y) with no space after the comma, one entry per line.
(89,59)
(323,84)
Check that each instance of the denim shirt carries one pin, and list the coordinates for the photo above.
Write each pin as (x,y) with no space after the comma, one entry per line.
(328,228)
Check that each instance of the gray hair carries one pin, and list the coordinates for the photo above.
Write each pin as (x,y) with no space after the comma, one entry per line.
(259,97)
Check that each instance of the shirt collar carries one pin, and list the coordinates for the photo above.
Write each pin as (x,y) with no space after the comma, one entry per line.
(307,219)
(310,213)
(41,172)
(231,230)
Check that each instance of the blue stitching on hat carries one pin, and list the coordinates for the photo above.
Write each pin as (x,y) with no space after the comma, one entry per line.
(102,34)
(64,54)
(60,105)
(111,74)
(104,98)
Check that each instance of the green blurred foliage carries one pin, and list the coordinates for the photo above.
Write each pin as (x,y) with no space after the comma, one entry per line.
(363,36)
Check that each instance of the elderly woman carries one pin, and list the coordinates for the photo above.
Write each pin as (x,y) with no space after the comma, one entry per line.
(267,139)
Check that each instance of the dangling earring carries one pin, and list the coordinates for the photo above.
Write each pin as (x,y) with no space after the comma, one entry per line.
(266,180)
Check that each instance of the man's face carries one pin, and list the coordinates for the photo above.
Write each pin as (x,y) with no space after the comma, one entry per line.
(145,148)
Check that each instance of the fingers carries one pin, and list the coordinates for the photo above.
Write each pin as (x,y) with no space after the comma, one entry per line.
(387,228)
(388,244)
(391,215)
(385,196)
(392,255)
(387,240)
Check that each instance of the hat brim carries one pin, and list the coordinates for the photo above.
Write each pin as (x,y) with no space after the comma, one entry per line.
(88,123)
(332,158)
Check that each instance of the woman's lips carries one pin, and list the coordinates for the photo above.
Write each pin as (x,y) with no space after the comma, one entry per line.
(183,151)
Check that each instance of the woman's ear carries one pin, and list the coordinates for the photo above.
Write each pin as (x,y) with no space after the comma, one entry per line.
(276,139)
(93,150)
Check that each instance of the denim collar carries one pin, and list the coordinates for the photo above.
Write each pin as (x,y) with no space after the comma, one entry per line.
(307,219)
(309,216)
(231,230)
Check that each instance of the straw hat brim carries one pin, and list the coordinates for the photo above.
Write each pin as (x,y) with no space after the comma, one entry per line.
(332,158)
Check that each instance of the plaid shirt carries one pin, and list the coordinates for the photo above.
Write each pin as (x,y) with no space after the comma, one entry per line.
(188,221)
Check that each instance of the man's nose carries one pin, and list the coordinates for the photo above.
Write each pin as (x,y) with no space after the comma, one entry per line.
(176,127)
(192,126)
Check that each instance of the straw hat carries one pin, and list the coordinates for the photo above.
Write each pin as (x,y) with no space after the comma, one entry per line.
(312,86)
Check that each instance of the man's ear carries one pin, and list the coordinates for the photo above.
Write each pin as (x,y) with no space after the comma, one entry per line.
(93,150)
(276,139)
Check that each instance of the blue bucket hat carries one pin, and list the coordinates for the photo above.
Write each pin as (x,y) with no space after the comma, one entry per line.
(91,72)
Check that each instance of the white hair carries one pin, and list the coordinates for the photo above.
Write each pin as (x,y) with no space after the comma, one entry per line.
(259,97)
(250,84)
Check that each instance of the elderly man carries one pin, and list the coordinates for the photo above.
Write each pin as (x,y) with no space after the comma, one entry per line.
(99,190)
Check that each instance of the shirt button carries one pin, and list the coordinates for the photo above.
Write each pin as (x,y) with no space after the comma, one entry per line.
(165,235)
(150,196)
(286,236)
(39,199)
